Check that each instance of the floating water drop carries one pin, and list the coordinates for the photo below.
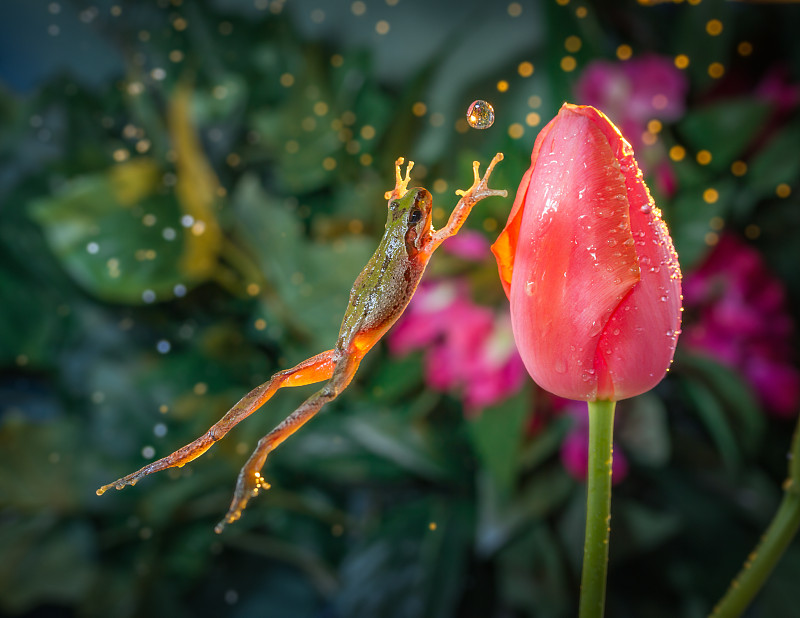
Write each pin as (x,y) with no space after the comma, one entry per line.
(480,114)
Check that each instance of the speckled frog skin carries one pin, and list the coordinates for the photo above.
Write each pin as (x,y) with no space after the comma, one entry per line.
(388,281)
(379,296)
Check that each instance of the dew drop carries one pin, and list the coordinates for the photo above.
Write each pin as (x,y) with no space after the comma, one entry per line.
(560,366)
(646,209)
(480,114)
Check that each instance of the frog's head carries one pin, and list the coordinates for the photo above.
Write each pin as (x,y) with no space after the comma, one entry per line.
(411,216)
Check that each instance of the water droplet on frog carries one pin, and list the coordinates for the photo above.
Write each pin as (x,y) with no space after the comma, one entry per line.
(480,114)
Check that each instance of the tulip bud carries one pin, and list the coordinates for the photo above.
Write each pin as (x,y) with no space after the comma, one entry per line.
(588,265)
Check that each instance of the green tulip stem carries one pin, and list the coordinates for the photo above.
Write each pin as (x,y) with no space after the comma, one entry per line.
(776,539)
(598,509)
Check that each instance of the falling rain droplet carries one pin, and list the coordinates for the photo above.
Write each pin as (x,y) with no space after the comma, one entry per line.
(480,114)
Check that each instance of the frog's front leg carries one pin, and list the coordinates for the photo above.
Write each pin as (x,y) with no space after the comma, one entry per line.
(250,480)
(478,191)
(310,371)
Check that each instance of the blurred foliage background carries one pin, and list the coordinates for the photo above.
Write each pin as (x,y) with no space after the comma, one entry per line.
(187,192)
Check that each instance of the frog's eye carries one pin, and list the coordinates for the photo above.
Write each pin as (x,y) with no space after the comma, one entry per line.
(415,216)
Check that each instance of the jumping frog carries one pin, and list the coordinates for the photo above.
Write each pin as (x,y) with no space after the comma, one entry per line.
(379,296)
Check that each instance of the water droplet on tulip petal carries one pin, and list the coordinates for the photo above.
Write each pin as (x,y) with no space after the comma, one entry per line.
(646,209)
(597,326)
(480,114)
(560,366)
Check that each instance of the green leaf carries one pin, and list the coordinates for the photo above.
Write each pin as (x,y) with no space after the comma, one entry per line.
(725,128)
(391,437)
(501,518)
(28,324)
(95,226)
(734,393)
(546,443)
(689,217)
(645,430)
(496,435)
(395,377)
(712,414)
(533,574)
(44,558)
(776,163)
(312,280)
(638,529)
(411,563)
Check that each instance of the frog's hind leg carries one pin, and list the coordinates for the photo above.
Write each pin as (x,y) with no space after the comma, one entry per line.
(250,480)
(310,371)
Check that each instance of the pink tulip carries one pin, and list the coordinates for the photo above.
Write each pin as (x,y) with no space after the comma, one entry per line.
(588,265)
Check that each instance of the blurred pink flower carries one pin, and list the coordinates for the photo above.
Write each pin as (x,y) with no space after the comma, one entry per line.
(633,92)
(469,348)
(777,89)
(574,451)
(468,245)
(740,318)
